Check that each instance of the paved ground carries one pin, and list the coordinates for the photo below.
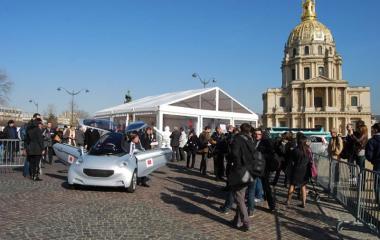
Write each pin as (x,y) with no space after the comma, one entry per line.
(180,204)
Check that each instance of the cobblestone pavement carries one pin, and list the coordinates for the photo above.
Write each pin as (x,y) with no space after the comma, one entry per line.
(180,204)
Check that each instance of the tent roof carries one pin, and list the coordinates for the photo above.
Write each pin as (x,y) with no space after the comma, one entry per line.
(153,103)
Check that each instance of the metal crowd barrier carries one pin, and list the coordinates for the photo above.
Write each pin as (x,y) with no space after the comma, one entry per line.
(358,191)
(11,154)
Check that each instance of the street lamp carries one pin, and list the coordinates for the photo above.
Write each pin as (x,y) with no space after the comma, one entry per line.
(35,104)
(203,81)
(72,93)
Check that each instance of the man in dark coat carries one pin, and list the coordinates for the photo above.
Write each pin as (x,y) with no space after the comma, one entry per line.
(242,158)
(219,146)
(91,136)
(372,153)
(265,146)
(35,147)
(174,143)
(10,133)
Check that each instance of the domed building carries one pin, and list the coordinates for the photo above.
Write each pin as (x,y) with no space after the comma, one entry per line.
(313,92)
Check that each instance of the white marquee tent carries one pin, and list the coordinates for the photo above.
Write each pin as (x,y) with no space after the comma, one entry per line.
(190,109)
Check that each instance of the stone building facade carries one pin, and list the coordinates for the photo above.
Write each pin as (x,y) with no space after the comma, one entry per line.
(314,92)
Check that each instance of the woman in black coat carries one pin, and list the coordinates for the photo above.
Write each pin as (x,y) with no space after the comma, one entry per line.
(35,147)
(191,148)
(300,169)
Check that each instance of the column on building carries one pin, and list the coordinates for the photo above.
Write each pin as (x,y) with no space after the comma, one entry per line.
(327,124)
(326,97)
(312,97)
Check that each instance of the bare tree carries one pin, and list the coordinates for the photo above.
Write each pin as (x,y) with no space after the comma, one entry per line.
(5,87)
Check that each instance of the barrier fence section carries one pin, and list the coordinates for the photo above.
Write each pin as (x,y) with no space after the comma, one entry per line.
(358,191)
(11,154)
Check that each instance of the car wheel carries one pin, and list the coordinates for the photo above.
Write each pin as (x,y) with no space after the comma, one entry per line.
(132,187)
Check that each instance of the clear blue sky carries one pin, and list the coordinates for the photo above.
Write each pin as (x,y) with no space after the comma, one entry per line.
(153,46)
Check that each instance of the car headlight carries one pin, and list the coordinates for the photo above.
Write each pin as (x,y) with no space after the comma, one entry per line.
(79,161)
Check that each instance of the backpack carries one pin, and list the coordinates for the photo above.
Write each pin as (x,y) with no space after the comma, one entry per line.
(258,163)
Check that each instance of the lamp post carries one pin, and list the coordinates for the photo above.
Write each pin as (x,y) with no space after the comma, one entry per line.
(35,104)
(203,81)
(72,93)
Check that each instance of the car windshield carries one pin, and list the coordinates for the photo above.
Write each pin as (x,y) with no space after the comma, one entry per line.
(108,144)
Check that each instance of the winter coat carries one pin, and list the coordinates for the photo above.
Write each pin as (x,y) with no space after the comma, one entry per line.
(48,137)
(174,138)
(192,143)
(300,171)
(266,147)
(182,139)
(146,140)
(335,147)
(204,139)
(79,138)
(372,151)
(91,136)
(10,132)
(241,155)
(219,142)
(34,141)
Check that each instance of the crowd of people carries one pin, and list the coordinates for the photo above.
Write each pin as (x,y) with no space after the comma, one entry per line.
(38,139)
(245,158)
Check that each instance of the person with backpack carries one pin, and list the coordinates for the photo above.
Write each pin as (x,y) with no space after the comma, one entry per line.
(241,174)
(204,139)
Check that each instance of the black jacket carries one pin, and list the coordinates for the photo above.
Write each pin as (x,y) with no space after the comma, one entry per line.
(146,140)
(372,151)
(219,142)
(241,156)
(192,143)
(10,132)
(175,138)
(91,136)
(34,141)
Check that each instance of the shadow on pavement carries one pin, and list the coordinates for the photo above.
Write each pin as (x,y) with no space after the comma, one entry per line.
(52,175)
(190,208)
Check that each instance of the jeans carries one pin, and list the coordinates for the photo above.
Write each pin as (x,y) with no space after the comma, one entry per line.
(182,154)
(203,168)
(376,169)
(360,161)
(192,155)
(252,188)
(219,165)
(48,157)
(175,155)
(229,201)
(1,152)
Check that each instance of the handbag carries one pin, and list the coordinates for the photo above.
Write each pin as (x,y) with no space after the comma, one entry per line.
(313,166)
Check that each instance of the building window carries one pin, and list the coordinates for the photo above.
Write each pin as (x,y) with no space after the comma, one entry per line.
(282,102)
(282,123)
(307,50)
(321,71)
(320,50)
(294,52)
(306,73)
(354,101)
(318,102)
(331,50)
(293,74)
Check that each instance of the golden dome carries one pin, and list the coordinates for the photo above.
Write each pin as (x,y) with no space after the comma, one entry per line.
(310,28)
